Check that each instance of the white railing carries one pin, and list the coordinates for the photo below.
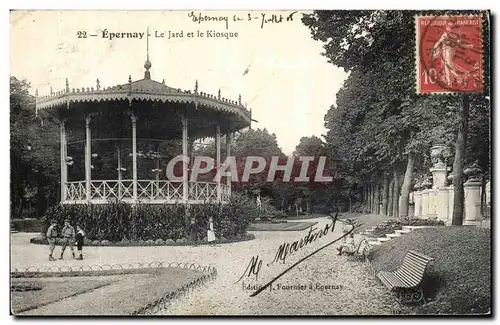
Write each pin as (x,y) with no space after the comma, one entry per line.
(159,190)
(153,191)
(75,191)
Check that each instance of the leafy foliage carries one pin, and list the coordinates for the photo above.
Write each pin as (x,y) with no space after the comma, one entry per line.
(119,221)
(379,124)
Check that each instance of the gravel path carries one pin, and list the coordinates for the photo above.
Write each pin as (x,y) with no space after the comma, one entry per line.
(324,284)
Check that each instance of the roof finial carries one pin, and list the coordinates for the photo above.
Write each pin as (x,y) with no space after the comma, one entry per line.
(147,64)
(98,84)
(218,95)
(67,85)
(51,91)
(163,82)
(239,100)
(129,78)
(196,87)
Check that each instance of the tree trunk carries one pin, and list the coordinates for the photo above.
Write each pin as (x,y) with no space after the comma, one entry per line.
(372,208)
(395,194)
(483,195)
(385,194)
(458,164)
(405,188)
(376,204)
(390,211)
(380,197)
(41,200)
(369,198)
(20,207)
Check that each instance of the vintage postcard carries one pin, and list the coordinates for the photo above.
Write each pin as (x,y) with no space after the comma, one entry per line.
(250,163)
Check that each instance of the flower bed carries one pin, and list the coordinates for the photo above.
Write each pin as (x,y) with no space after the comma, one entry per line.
(41,240)
(391,225)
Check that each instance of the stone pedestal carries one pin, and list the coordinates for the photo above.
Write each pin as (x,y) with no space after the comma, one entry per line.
(442,203)
(439,172)
(417,199)
(472,194)
(425,203)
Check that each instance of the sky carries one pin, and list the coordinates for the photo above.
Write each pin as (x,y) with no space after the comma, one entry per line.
(289,85)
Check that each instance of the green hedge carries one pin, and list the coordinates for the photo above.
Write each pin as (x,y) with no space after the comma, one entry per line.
(120,221)
(27,225)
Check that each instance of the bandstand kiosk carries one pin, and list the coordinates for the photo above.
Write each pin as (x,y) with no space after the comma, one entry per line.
(142,110)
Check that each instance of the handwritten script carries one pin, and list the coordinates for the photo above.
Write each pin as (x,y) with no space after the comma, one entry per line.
(261,18)
(253,268)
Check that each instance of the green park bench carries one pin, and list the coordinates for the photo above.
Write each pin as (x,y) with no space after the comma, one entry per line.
(406,282)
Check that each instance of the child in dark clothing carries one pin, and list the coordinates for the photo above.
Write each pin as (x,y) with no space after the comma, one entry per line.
(80,235)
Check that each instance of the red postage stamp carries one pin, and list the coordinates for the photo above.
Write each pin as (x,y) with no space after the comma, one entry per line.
(449,54)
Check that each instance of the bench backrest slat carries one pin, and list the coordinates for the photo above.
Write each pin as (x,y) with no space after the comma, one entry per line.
(413,268)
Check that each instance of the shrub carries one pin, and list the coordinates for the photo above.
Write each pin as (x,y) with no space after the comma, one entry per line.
(27,225)
(389,226)
(117,222)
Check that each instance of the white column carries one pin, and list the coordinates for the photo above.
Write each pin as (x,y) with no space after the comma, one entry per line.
(417,199)
(134,156)
(64,165)
(88,158)
(185,153)
(442,203)
(425,203)
(217,160)
(432,203)
(157,170)
(472,195)
(228,154)
(118,155)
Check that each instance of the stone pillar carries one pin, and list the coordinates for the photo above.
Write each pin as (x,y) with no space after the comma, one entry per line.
(425,203)
(417,199)
(134,156)
(64,165)
(217,161)
(442,203)
(228,154)
(432,203)
(88,158)
(439,172)
(472,193)
(439,154)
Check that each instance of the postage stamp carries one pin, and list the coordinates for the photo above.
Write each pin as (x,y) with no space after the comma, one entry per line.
(247,162)
(449,54)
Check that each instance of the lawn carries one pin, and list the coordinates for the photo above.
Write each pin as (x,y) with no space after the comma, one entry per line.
(284,226)
(121,294)
(459,279)
(52,290)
